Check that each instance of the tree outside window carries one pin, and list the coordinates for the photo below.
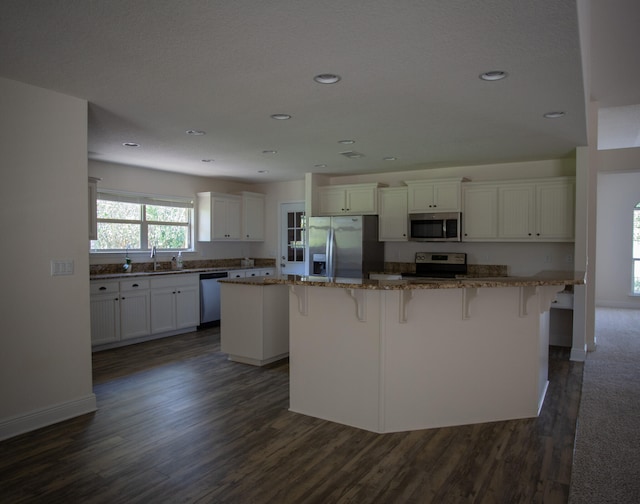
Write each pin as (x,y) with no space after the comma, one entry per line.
(129,222)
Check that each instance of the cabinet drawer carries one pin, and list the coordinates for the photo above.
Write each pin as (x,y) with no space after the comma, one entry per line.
(563,300)
(175,280)
(98,287)
(237,274)
(134,284)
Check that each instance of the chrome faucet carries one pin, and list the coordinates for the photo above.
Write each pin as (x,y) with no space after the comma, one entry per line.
(153,256)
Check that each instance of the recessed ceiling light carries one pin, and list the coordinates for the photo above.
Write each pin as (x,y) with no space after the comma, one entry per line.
(269,151)
(346,142)
(352,154)
(327,78)
(263,171)
(131,144)
(207,160)
(493,75)
(390,158)
(196,132)
(554,115)
(280,117)
(320,166)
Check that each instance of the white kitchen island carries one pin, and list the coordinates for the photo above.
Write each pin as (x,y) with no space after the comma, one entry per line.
(391,356)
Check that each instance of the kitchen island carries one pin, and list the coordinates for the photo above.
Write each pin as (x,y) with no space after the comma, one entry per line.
(398,355)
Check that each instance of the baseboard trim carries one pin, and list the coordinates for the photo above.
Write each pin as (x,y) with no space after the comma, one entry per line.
(578,354)
(47,416)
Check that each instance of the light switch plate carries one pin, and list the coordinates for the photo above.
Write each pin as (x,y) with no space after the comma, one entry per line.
(61,267)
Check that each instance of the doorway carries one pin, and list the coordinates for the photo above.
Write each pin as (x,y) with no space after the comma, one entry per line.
(292,250)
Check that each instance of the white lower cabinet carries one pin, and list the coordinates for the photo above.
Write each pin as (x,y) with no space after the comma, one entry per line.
(258,272)
(136,309)
(105,312)
(174,303)
(261,338)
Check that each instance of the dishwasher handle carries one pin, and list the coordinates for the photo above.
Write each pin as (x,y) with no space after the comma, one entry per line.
(210,276)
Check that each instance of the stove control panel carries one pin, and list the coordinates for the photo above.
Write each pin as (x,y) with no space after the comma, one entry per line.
(441,258)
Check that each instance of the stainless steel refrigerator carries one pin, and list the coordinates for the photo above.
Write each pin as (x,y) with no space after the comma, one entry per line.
(344,246)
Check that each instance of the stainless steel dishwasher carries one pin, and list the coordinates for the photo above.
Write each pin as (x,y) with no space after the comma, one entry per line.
(210,297)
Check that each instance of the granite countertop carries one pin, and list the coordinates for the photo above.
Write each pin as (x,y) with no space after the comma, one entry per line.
(540,279)
(107,276)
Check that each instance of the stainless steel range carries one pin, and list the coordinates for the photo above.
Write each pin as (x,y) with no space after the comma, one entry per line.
(439,265)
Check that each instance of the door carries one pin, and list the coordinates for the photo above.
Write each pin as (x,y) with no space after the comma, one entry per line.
(292,244)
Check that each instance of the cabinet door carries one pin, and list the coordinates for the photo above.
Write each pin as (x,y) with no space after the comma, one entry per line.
(252,217)
(105,318)
(555,211)
(219,209)
(163,313)
(134,314)
(420,198)
(234,231)
(331,201)
(361,201)
(516,215)
(187,304)
(446,197)
(480,214)
(393,217)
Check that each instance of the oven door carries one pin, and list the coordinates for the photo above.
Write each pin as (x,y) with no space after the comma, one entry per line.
(434,227)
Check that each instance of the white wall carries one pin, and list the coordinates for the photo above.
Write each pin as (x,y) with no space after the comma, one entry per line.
(45,355)
(618,194)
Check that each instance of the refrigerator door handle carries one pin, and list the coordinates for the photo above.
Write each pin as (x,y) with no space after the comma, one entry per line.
(331,254)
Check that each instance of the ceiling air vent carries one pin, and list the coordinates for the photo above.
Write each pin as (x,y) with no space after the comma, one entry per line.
(352,154)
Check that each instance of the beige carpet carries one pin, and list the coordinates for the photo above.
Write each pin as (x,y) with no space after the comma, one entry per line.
(606,466)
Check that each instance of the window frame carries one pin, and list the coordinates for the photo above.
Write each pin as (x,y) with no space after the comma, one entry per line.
(144,200)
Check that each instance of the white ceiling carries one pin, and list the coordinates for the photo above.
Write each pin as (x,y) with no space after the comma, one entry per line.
(152,69)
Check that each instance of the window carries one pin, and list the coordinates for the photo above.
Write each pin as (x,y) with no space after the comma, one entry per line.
(295,230)
(139,222)
(636,251)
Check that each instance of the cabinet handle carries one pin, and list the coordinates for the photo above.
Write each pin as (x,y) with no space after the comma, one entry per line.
(103,288)
(135,285)
(179,292)
(122,298)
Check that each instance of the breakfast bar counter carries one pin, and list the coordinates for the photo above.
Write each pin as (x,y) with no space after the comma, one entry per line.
(398,355)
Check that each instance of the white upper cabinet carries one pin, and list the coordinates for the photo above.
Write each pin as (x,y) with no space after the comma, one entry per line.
(252,216)
(480,212)
(393,218)
(541,210)
(352,199)
(219,217)
(519,211)
(555,210)
(229,217)
(426,196)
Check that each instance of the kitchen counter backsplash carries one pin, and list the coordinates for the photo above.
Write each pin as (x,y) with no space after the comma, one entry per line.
(473,270)
(147,267)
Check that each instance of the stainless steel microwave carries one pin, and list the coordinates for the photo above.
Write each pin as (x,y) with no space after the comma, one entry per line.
(435,226)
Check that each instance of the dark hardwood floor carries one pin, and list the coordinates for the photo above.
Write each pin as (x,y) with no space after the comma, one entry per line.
(177,422)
